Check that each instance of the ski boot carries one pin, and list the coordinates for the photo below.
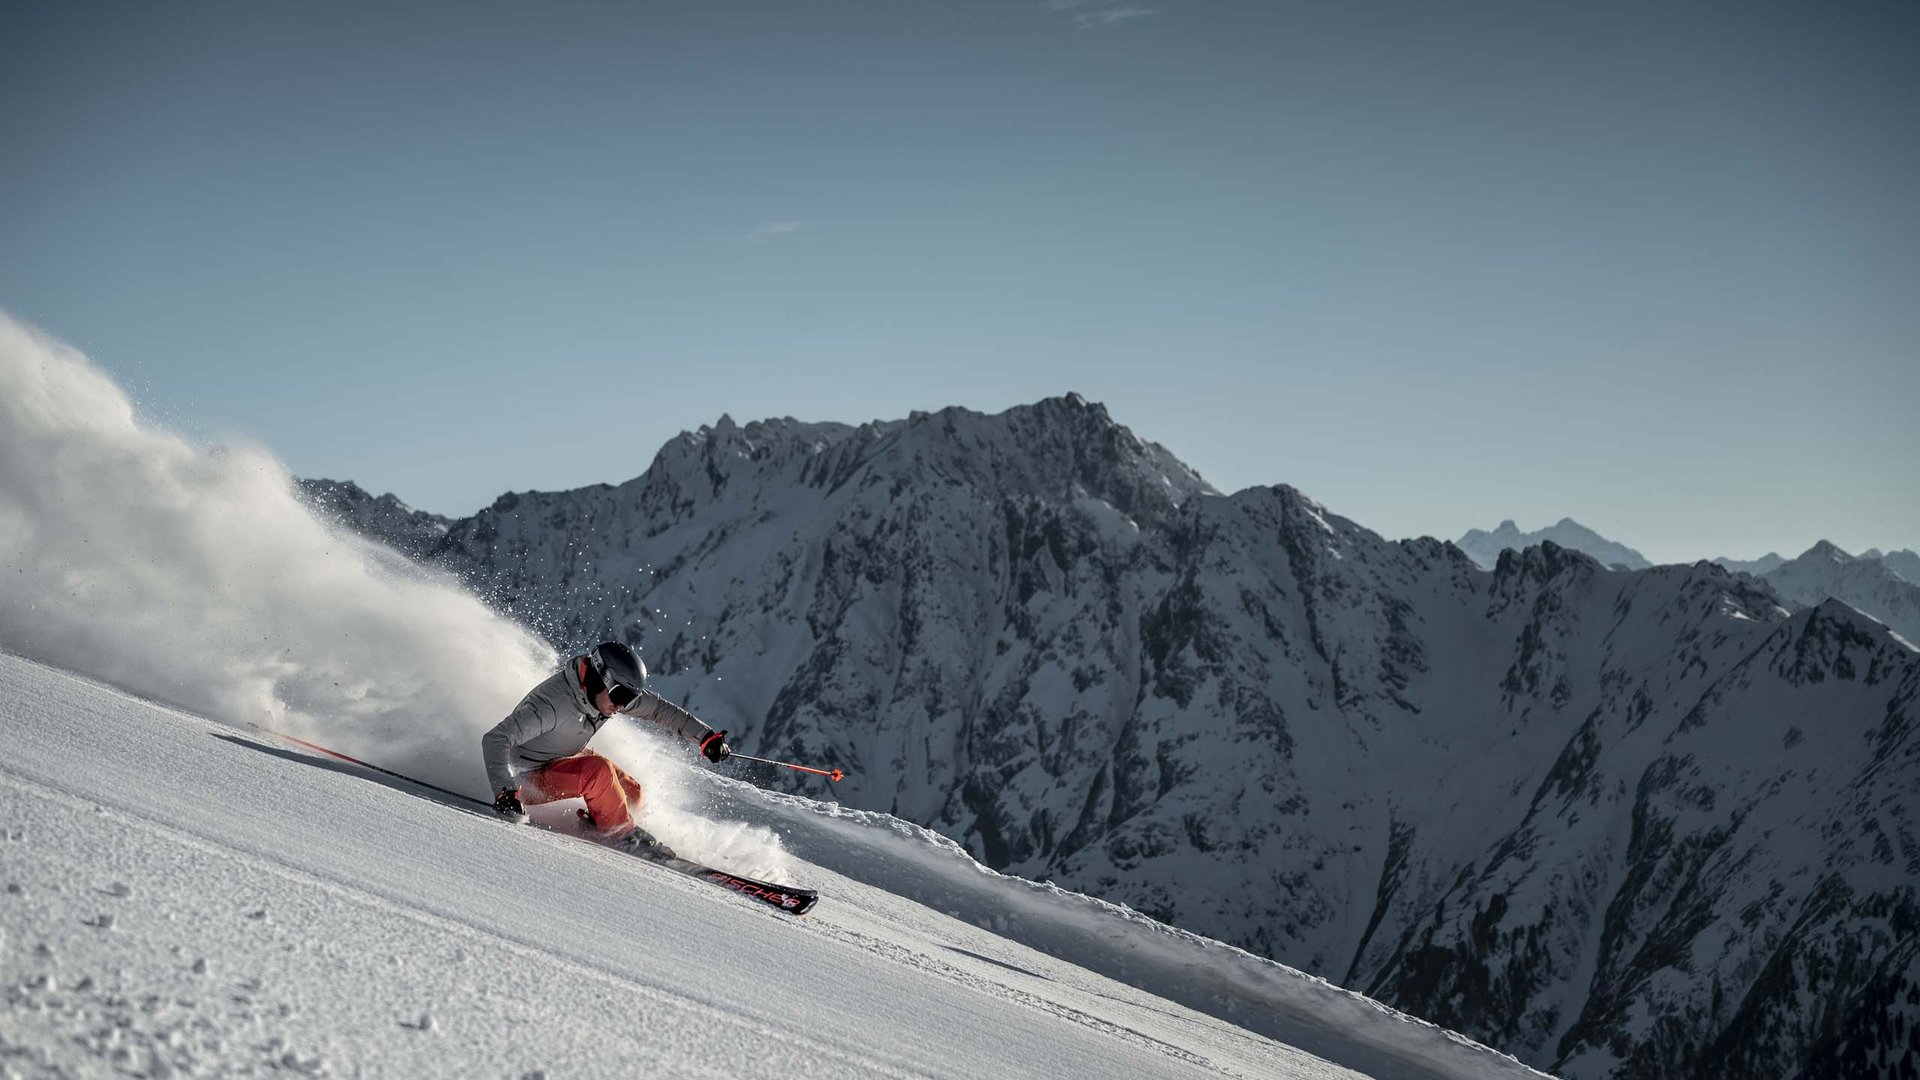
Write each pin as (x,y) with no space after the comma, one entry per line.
(637,842)
(644,844)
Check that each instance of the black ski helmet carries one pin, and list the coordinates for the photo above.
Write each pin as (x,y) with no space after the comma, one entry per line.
(611,665)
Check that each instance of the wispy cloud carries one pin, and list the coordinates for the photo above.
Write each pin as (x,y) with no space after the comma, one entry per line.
(1089,14)
(774,230)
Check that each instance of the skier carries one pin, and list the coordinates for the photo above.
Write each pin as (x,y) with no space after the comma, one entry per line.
(539,754)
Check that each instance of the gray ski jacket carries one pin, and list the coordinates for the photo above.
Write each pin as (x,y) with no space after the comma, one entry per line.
(555,720)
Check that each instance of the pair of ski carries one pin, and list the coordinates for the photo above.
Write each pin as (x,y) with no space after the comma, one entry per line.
(782,898)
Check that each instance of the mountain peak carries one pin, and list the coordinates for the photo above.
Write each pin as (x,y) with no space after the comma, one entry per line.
(1071,404)
(1828,550)
(1060,447)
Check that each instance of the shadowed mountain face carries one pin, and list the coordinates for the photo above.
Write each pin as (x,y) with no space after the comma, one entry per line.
(1637,824)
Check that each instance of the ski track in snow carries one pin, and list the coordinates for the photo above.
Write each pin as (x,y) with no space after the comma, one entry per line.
(181,899)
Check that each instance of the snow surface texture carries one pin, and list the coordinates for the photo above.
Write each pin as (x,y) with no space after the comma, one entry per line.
(1647,824)
(181,899)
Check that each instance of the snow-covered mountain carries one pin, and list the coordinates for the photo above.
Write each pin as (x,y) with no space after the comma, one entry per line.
(1903,565)
(1868,584)
(1485,547)
(1638,824)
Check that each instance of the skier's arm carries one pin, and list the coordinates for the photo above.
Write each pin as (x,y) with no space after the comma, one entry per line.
(528,719)
(653,707)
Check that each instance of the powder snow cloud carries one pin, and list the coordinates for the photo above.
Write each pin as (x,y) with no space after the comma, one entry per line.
(194,576)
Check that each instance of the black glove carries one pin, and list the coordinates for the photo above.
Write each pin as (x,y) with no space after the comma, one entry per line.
(715,747)
(507,805)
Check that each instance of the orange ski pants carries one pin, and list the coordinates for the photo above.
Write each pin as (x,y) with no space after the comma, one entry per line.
(612,796)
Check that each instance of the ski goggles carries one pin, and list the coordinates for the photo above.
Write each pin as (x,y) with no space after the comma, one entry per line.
(622,696)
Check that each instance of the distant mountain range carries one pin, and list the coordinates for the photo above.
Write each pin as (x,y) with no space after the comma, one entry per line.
(1485,547)
(1867,584)
(1885,586)
(1904,563)
(1757,567)
(1643,824)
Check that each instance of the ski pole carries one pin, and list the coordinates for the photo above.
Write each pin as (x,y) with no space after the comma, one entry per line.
(316,747)
(831,774)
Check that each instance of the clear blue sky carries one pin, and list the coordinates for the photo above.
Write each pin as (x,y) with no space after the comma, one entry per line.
(1652,265)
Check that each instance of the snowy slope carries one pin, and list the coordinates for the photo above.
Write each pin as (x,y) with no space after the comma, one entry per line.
(184,899)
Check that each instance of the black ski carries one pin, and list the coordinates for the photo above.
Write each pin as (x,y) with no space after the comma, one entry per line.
(778,897)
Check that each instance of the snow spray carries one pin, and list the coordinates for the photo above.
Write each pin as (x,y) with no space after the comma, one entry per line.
(197,577)
(685,813)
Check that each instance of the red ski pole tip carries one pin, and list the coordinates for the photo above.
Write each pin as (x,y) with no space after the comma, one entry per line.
(836,775)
